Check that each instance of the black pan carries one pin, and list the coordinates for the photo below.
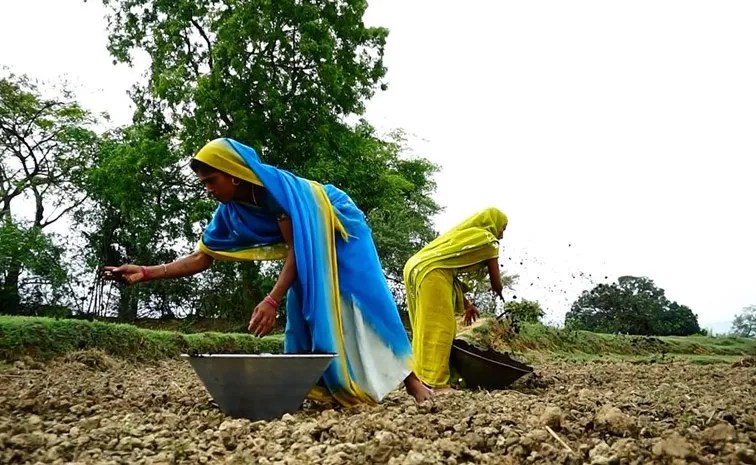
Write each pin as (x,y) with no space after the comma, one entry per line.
(486,369)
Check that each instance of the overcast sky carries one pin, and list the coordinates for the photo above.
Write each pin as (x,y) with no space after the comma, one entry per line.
(617,136)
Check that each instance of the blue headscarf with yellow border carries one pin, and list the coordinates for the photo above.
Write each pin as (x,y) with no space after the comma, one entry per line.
(336,261)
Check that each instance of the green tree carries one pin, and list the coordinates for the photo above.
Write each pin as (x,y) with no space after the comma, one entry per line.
(400,204)
(633,305)
(483,298)
(527,311)
(744,323)
(142,208)
(284,77)
(277,75)
(46,139)
(30,250)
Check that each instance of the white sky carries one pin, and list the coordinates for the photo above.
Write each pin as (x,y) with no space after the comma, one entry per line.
(616,136)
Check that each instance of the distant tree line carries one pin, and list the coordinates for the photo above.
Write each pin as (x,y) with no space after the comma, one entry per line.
(632,305)
(744,323)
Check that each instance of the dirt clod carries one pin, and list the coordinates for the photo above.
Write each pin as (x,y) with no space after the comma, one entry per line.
(534,439)
(614,421)
(745,362)
(720,433)
(601,454)
(673,446)
(552,417)
(746,455)
(92,359)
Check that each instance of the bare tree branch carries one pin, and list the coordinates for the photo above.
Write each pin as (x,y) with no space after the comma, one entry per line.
(47,106)
(393,279)
(190,55)
(207,41)
(44,224)
(18,153)
(53,136)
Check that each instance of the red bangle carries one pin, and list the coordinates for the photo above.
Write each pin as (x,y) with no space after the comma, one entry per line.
(145,274)
(271,301)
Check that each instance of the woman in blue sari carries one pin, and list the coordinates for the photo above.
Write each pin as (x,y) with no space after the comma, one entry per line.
(337,299)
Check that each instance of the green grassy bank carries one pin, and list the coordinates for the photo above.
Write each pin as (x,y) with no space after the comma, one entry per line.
(543,339)
(47,338)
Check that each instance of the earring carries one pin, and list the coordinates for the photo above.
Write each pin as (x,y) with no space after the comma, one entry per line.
(235,181)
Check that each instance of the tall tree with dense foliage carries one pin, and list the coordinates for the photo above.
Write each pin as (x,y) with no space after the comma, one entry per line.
(744,323)
(46,140)
(141,208)
(284,77)
(633,305)
(278,75)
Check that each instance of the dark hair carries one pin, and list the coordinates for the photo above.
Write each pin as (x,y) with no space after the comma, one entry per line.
(197,165)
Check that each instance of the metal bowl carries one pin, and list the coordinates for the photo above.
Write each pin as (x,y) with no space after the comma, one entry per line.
(259,386)
(485,369)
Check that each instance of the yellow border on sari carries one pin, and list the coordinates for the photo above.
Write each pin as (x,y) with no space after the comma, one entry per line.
(267,252)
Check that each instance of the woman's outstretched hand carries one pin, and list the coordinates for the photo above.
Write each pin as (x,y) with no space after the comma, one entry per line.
(471,314)
(127,274)
(263,319)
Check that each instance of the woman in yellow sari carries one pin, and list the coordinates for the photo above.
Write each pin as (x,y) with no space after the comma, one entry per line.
(435,292)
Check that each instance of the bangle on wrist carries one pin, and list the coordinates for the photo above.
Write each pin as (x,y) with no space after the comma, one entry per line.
(270,300)
(145,274)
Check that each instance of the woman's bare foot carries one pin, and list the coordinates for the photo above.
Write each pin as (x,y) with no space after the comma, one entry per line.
(417,389)
(443,391)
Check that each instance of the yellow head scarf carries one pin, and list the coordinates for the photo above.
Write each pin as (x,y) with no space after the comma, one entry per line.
(220,155)
(465,248)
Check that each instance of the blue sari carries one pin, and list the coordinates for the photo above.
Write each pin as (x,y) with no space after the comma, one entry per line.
(340,302)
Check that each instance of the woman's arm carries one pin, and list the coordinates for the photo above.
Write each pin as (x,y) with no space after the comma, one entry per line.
(495,277)
(194,263)
(264,315)
(289,271)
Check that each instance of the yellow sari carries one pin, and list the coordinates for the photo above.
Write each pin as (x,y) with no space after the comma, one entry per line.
(435,293)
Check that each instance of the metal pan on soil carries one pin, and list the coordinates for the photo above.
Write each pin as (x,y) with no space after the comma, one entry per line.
(486,369)
(259,386)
